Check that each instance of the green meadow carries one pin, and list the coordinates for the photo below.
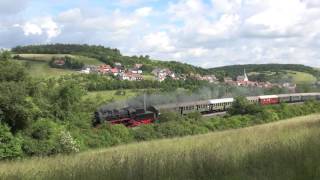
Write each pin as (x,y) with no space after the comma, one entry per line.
(287,149)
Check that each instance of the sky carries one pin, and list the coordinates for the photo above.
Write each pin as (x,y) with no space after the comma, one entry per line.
(206,33)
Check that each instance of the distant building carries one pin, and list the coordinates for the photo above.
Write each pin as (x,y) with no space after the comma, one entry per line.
(243,80)
(86,70)
(104,69)
(135,71)
(162,74)
(130,77)
(209,78)
(138,66)
(115,71)
(59,62)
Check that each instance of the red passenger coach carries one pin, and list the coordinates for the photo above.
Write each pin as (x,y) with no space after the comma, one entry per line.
(267,100)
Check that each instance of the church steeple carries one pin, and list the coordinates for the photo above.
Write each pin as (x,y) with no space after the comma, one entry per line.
(245,76)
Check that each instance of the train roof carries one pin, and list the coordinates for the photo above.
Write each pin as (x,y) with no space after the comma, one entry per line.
(268,96)
(253,97)
(172,105)
(299,94)
(224,100)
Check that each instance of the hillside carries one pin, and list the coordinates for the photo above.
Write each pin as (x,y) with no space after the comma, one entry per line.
(95,55)
(38,64)
(271,72)
(108,56)
(282,150)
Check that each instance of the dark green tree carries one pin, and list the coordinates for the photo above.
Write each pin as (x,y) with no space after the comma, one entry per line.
(5,55)
(10,146)
(242,106)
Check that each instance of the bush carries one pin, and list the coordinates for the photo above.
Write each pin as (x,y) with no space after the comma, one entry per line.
(145,132)
(10,146)
(194,116)
(174,128)
(169,116)
(42,138)
(120,134)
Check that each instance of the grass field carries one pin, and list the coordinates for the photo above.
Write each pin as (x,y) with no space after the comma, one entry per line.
(282,150)
(297,77)
(43,70)
(106,96)
(300,77)
(39,67)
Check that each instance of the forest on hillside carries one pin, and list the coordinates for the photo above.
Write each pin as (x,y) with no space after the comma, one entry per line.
(235,70)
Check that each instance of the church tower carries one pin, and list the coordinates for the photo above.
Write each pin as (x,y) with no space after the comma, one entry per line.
(245,76)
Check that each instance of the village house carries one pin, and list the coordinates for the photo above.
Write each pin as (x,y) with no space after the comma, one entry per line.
(162,74)
(115,71)
(135,71)
(119,66)
(87,69)
(104,69)
(210,78)
(130,76)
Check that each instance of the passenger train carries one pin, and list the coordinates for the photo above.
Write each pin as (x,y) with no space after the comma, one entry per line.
(132,117)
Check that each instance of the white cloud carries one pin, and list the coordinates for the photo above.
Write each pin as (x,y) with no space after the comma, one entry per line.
(186,9)
(226,23)
(159,41)
(279,16)
(40,26)
(71,15)
(226,6)
(201,32)
(144,11)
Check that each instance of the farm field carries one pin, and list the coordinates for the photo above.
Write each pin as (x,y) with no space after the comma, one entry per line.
(37,64)
(286,149)
(296,76)
(300,77)
(42,69)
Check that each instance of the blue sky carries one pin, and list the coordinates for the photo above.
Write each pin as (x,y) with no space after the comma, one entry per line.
(206,33)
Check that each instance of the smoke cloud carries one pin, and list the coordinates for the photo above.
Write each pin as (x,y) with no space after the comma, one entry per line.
(182,95)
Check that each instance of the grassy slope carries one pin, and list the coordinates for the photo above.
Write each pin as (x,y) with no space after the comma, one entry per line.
(282,150)
(42,69)
(297,77)
(39,67)
(107,96)
(301,77)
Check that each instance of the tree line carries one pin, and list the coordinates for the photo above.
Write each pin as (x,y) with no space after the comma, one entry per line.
(236,70)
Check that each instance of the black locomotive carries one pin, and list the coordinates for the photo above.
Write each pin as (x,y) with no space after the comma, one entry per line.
(129,116)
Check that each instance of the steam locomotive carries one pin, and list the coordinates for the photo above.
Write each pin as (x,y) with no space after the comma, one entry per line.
(129,116)
(132,117)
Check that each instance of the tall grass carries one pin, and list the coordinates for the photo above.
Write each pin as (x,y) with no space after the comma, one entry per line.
(282,150)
